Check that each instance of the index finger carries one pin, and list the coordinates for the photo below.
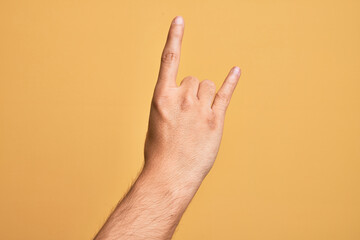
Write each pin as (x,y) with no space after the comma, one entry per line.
(170,57)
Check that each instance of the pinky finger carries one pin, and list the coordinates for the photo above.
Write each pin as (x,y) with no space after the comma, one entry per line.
(223,96)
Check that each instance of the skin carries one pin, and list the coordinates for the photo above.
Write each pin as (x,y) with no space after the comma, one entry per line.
(183,138)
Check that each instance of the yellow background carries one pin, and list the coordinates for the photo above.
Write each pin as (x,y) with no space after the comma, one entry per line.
(76,83)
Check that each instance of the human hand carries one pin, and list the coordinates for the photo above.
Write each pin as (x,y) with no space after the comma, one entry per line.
(186,122)
(183,139)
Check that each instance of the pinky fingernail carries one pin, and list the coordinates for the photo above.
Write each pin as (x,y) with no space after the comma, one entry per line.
(236,70)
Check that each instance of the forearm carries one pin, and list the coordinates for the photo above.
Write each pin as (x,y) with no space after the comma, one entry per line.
(152,208)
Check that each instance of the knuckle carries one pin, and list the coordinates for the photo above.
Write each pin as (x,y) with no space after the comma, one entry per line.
(175,32)
(222,101)
(222,97)
(232,84)
(188,77)
(209,84)
(159,102)
(161,107)
(211,120)
(169,57)
(195,80)
(186,102)
(191,80)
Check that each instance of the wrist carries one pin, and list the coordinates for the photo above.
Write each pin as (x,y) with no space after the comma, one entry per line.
(176,184)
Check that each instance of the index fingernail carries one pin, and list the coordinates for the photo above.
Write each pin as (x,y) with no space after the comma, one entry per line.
(178,20)
(236,70)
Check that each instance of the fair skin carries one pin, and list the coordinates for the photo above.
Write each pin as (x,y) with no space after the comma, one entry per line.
(184,134)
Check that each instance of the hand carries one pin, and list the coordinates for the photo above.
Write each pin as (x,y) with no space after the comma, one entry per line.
(186,122)
(185,129)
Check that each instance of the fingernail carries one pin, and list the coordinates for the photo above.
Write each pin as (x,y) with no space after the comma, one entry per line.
(236,70)
(178,20)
